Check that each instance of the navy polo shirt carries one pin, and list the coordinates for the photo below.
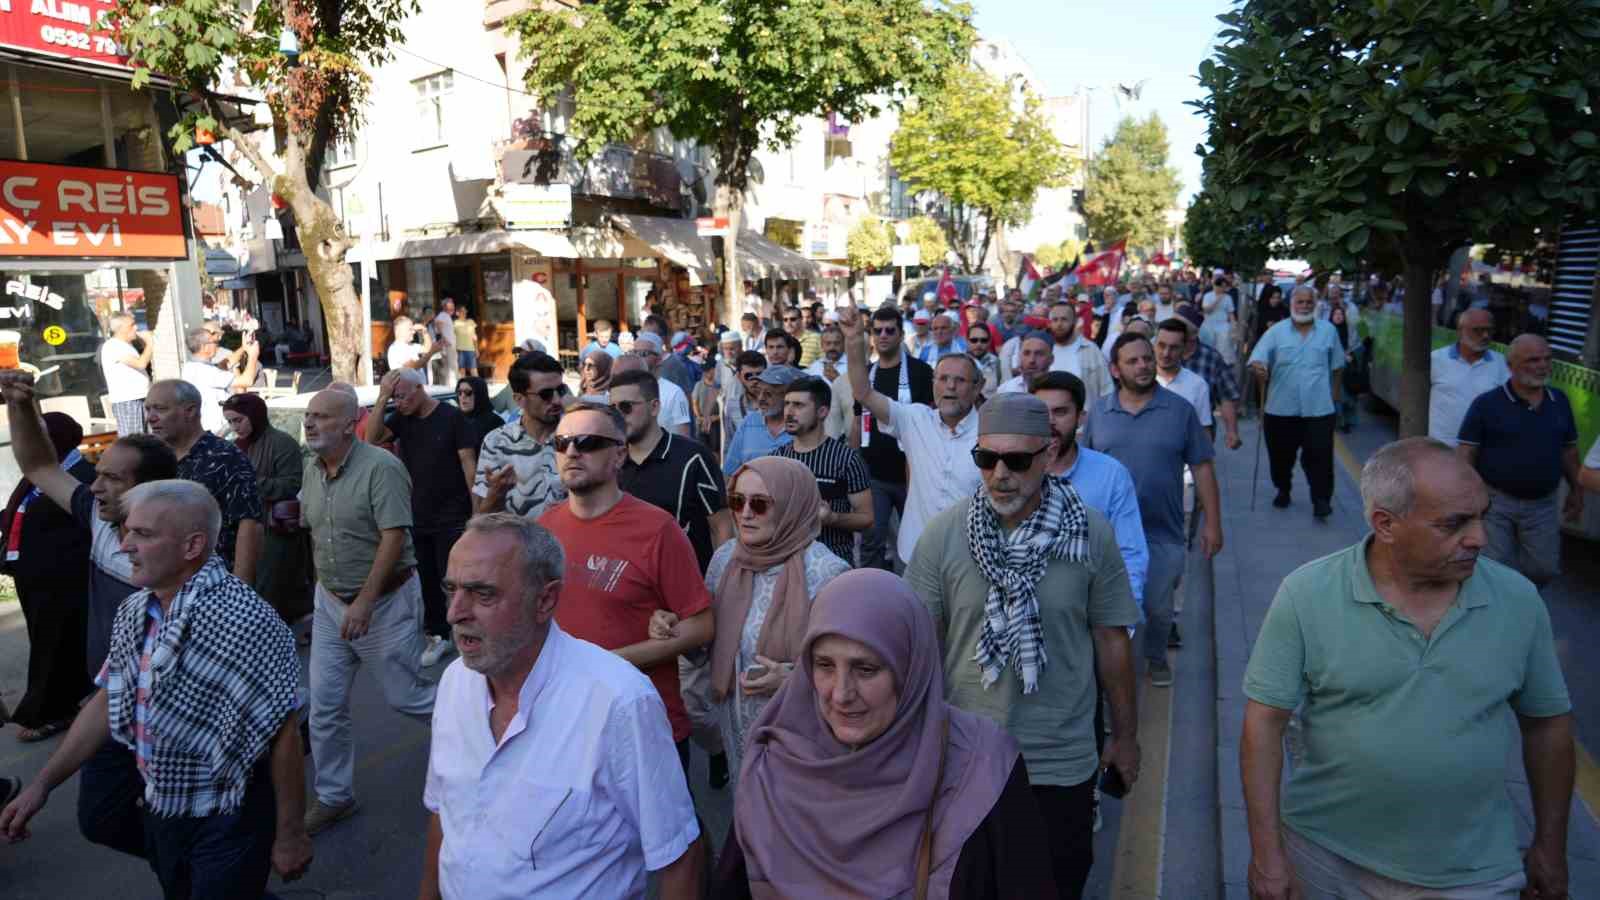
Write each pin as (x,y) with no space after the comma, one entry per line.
(1519,447)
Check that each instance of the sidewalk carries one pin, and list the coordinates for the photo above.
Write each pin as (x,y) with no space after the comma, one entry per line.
(1260,548)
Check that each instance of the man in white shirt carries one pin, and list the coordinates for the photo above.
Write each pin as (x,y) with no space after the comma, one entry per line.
(1076,354)
(443,330)
(213,383)
(1462,371)
(674,415)
(552,772)
(125,369)
(403,354)
(937,440)
(1033,359)
(1172,340)
(831,364)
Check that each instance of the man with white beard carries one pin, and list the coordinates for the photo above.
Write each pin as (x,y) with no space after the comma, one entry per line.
(1300,355)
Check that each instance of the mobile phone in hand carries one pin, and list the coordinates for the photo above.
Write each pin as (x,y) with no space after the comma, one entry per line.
(756,672)
(1111,783)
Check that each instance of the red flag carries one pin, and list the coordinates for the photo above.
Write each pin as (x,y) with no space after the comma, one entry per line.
(1160,259)
(1103,267)
(947,288)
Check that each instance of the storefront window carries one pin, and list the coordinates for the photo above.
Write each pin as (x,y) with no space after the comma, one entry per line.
(496,291)
(64,315)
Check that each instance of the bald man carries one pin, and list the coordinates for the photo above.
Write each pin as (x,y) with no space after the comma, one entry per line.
(1523,440)
(1460,372)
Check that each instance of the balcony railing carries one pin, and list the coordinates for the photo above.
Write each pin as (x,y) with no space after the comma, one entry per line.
(538,157)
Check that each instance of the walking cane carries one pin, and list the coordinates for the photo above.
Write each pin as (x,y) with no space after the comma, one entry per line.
(1261,427)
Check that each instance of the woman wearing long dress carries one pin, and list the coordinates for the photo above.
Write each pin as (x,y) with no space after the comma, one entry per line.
(762,584)
(283,577)
(1217,328)
(861,781)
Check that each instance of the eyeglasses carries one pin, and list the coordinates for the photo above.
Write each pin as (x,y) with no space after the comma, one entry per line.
(1018,461)
(759,503)
(583,443)
(626,407)
(545,394)
(464,393)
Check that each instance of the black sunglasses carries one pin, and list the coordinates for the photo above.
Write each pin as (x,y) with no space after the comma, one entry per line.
(545,394)
(1018,461)
(583,443)
(626,407)
(887,330)
(759,503)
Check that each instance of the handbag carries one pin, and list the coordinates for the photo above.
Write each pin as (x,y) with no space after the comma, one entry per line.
(925,846)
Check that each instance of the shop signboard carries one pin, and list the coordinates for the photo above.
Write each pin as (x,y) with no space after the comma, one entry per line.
(70,211)
(67,28)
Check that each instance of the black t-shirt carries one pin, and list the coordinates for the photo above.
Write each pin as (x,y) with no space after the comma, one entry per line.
(840,472)
(680,477)
(429,446)
(885,461)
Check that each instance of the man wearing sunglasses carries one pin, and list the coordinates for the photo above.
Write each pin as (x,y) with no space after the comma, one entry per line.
(1026,586)
(937,441)
(516,466)
(625,560)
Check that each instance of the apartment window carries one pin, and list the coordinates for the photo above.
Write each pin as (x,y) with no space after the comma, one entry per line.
(341,151)
(432,93)
(556,118)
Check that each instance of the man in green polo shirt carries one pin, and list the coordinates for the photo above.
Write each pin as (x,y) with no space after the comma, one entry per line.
(356,500)
(1403,654)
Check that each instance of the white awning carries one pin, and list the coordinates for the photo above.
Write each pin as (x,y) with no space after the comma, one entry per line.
(573,243)
(674,240)
(779,261)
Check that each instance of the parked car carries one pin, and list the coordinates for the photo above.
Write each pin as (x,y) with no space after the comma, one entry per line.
(966,286)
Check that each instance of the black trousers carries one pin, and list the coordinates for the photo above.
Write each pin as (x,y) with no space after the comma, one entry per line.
(1310,439)
(225,856)
(1068,813)
(57,621)
(432,546)
(109,791)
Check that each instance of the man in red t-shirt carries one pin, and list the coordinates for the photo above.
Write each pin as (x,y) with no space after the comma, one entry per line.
(625,560)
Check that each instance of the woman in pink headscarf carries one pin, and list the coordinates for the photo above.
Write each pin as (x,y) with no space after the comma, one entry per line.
(860,781)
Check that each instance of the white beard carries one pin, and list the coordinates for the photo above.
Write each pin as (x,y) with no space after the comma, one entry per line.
(1306,319)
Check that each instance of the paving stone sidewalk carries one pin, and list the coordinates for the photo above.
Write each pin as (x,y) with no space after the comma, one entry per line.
(1260,548)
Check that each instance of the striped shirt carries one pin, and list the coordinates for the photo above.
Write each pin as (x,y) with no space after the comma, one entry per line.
(840,472)
(141,693)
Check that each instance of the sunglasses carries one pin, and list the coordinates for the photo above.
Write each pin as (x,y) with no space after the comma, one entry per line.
(759,503)
(583,443)
(1018,461)
(545,394)
(887,331)
(626,407)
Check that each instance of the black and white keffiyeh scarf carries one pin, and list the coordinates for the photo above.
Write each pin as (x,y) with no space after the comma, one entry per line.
(1013,566)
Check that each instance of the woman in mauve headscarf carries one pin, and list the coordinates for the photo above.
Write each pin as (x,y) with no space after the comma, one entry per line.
(762,583)
(860,781)
(283,577)
(47,556)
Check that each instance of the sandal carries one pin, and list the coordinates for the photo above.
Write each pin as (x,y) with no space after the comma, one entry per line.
(9,789)
(43,732)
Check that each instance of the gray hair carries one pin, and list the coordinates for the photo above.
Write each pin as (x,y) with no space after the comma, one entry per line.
(198,509)
(977,375)
(117,318)
(1388,480)
(196,338)
(410,376)
(543,560)
(1307,289)
(183,393)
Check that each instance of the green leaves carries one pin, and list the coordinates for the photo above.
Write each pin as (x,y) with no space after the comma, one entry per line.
(1130,185)
(1397,129)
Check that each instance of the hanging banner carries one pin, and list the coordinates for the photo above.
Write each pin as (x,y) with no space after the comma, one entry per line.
(49,210)
(69,28)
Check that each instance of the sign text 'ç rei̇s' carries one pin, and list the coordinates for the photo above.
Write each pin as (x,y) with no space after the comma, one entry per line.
(48,210)
(70,28)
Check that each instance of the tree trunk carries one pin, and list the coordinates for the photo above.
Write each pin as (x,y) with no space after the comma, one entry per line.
(729,203)
(1416,344)
(325,245)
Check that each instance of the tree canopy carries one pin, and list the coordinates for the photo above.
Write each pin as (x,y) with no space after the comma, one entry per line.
(1420,125)
(868,244)
(732,74)
(986,149)
(1215,234)
(1130,186)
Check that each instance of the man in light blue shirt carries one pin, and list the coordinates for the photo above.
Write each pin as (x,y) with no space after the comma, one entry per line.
(1300,355)
(602,340)
(762,430)
(1102,482)
(1460,372)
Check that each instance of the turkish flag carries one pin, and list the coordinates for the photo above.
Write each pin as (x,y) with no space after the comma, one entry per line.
(947,288)
(1160,259)
(1103,267)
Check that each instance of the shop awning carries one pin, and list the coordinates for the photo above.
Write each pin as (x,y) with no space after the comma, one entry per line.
(676,241)
(574,243)
(777,260)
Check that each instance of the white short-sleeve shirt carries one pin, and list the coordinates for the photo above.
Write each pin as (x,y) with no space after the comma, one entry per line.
(1592,461)
(123,382)
(1192,388)
(1455,383)
(400,354)
(582,795)
(942,471)
(674,405)
(214,385)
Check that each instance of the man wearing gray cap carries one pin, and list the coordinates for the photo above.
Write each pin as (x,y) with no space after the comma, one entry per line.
(675,415)
(1026,585)
(762,430)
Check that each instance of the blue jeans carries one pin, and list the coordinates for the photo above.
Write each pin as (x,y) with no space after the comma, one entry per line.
(226,856)
(886,497)
(1160,592)
(109,789)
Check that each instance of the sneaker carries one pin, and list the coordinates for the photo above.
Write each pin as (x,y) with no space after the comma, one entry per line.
(1160,673)
(321,815)
(1321,510)
(1174,639)
(1097,820)
(1282,500)
(717,772)
(438,648)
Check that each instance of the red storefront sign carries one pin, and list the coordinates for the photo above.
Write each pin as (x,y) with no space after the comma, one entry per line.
(48,210)
(68,28)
